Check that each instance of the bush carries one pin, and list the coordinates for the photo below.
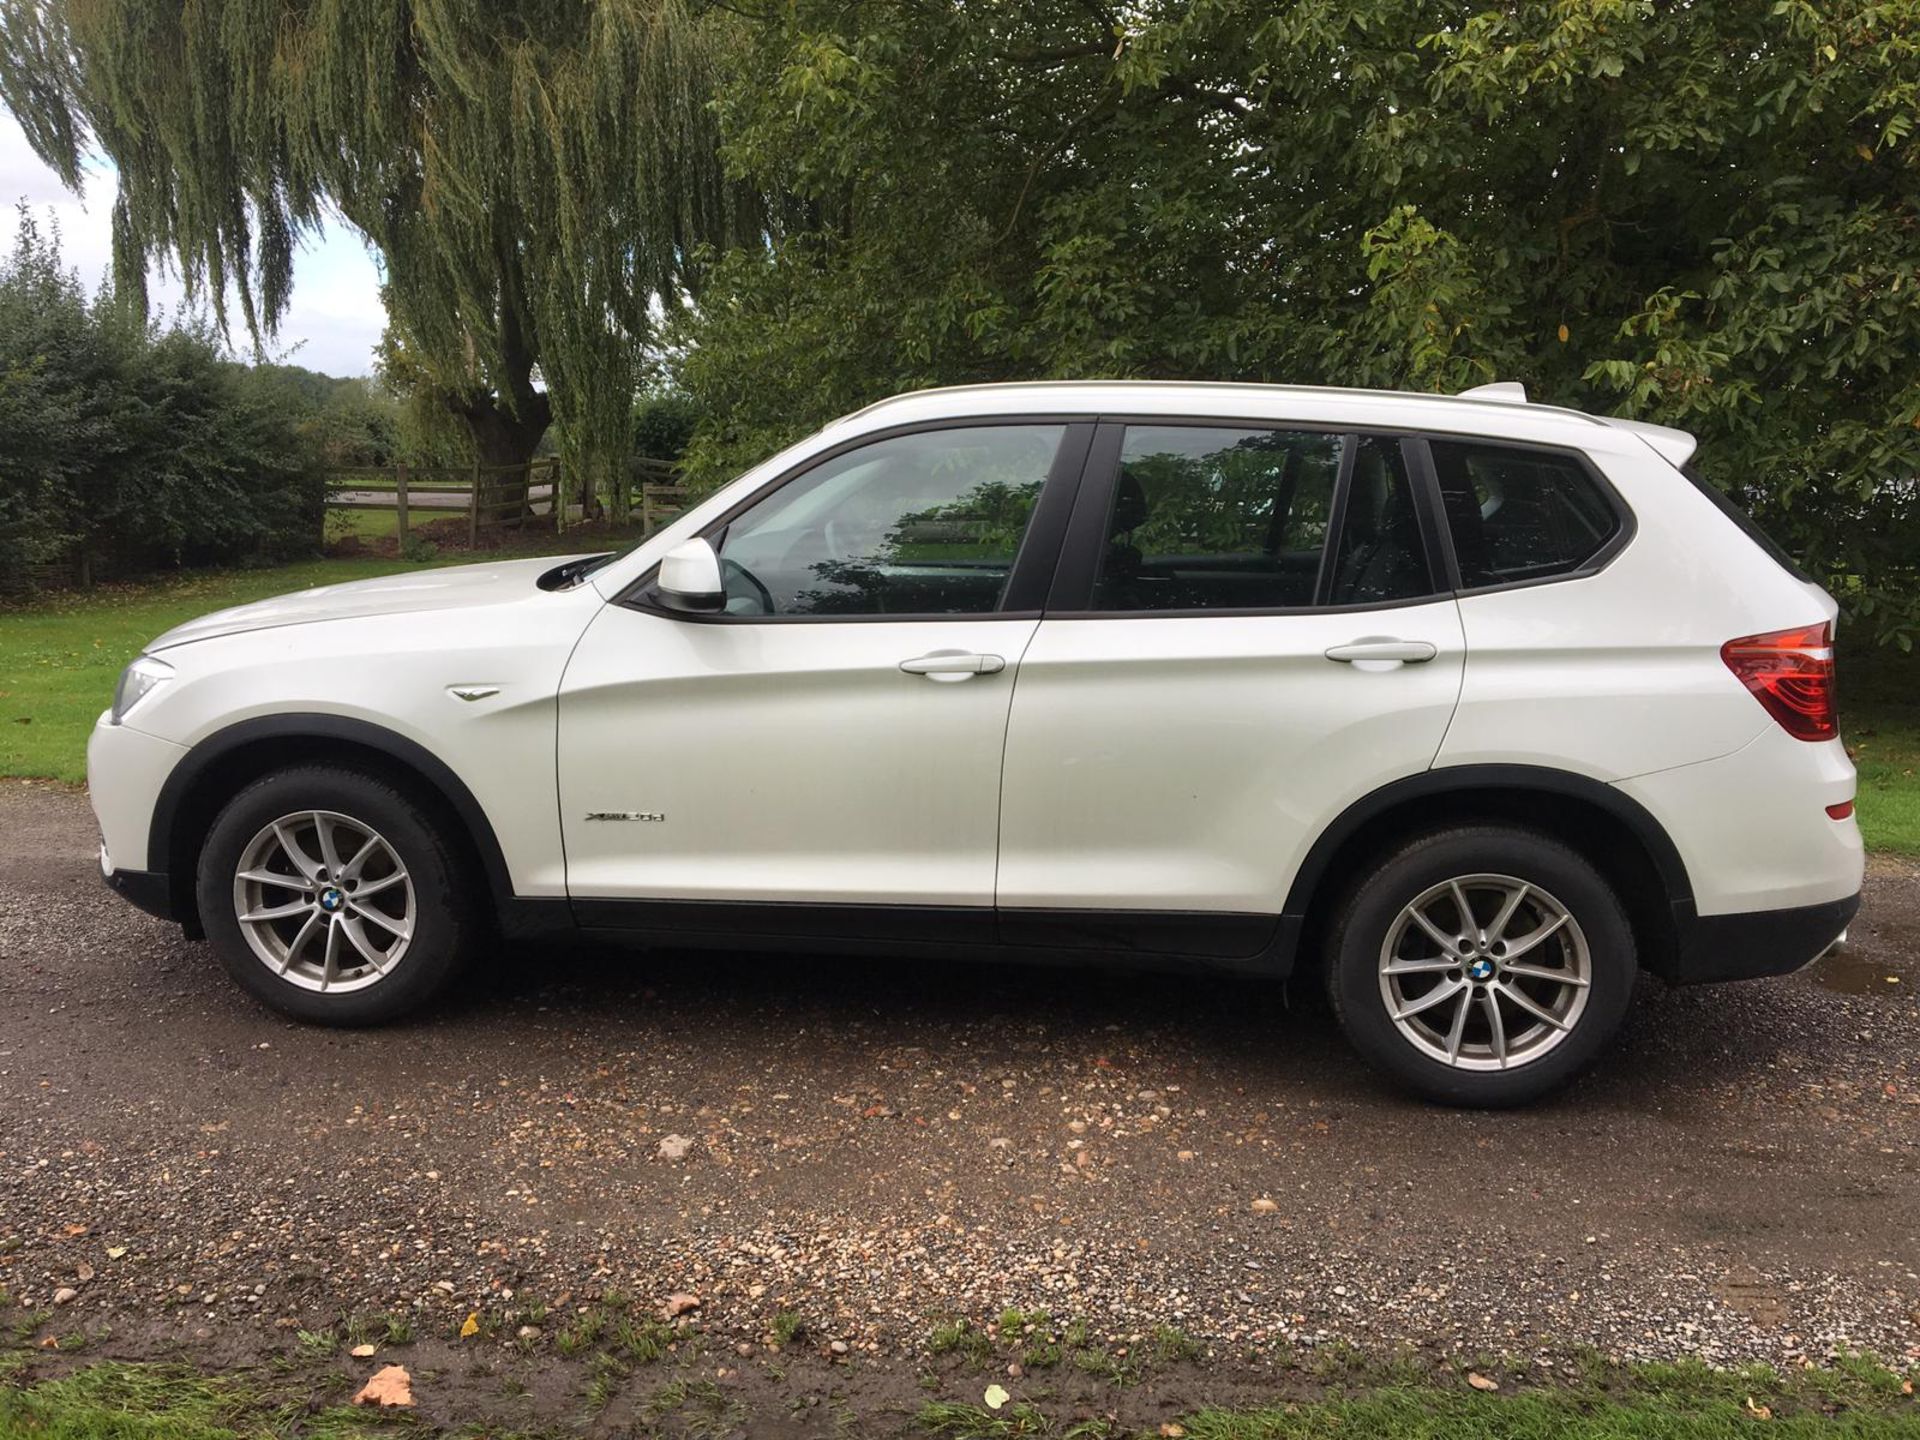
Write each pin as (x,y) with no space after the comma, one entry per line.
(662,426)
(135,446)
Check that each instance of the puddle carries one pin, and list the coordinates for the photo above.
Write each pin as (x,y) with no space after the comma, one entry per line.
(1851,973)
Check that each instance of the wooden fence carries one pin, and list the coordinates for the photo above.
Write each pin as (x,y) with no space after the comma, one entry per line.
(513,497)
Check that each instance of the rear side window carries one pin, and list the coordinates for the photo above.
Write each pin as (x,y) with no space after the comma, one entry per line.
(1225,518)
(1519,514)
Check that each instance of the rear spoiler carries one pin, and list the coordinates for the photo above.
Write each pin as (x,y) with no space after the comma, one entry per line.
(1676,447)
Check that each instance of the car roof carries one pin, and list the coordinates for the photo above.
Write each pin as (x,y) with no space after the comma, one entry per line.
(1500,411)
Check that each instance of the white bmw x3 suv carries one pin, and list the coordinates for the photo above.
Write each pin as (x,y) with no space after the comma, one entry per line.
(1469,707)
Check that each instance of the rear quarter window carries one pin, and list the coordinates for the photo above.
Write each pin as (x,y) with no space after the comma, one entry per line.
(1520,514)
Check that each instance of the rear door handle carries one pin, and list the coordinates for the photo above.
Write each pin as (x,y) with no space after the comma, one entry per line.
(1382,647)
(951,665)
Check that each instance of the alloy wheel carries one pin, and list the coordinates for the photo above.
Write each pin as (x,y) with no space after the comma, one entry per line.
(324,901)
(1485,972)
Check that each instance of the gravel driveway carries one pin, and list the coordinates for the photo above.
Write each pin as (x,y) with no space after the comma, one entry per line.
(876,1145)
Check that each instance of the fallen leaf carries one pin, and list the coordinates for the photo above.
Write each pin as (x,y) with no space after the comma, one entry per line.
(390,1385)
(996,1396)
(84,1271)
(1759,1412)
(1172,1430)
(1481,1382)
(472,1327)
(75,1231)
(363,1352)
(115,1252)
(1906,1387)
(678,1305)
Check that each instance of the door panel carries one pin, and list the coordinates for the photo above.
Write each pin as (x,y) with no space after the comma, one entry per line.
(1188,763)
(785,762)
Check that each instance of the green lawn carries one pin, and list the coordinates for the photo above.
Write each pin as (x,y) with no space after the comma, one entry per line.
(60,657)
(1858,1400)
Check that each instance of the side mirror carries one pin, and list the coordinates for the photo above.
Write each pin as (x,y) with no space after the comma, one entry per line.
(690,579)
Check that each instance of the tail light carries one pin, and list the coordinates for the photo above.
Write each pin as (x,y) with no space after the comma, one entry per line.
(1791,673)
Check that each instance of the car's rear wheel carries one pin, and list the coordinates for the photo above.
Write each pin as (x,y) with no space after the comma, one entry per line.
(1482,966)
(332,896)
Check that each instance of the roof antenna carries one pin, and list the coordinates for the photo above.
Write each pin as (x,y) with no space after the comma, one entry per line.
(1512,392)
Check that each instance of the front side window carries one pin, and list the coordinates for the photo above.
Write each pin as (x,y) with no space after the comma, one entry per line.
(925,524)
(1227,518)
(1519,514)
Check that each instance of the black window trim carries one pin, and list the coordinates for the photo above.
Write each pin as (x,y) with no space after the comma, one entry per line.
(1054,570)
(1072,591)
(1625,525)
(1034,563)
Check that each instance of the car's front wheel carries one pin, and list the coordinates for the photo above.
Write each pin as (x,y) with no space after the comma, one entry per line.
(332,896)
(1482,966)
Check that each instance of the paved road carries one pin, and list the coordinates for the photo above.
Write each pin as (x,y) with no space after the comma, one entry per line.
(425,499)
(878,1144)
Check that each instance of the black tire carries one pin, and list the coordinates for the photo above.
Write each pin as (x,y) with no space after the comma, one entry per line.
(1367,919)
(443,905)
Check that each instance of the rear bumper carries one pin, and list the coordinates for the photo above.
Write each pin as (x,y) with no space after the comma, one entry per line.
(1758,943)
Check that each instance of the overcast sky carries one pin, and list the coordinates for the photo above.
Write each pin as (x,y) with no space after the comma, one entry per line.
(334,320)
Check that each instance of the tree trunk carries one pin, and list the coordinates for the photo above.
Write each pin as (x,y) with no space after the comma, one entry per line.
(501,437)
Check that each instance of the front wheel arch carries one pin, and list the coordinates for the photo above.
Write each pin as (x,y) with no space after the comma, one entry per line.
(226,762)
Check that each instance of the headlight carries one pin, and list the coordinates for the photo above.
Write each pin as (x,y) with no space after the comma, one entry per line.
(142,676)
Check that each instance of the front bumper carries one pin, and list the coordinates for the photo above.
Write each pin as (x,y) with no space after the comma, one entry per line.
(149,890)
(1758,943)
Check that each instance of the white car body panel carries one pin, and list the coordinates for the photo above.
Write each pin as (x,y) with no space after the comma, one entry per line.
(1188,763)
(787,761)
(387,661)
(1741,824)
(125,770)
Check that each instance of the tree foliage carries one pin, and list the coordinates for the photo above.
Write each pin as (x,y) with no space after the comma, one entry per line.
(136,444)
(531,172)
(1699,213)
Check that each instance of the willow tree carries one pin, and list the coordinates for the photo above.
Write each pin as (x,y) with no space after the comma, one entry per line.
(534,174)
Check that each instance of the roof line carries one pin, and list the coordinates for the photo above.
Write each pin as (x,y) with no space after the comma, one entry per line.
(1337,390)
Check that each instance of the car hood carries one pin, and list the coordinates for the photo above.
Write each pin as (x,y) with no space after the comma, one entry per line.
(457,587)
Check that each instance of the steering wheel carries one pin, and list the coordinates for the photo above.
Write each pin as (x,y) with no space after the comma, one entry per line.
(736,568)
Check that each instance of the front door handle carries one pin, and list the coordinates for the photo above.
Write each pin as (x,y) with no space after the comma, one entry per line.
(1383,647)
(951,665)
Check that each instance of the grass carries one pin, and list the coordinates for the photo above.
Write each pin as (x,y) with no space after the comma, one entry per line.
(1856,1398)
(60,657)
(1880,720)
(162,1402)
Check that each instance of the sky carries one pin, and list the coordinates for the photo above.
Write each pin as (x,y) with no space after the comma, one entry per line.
(332,324)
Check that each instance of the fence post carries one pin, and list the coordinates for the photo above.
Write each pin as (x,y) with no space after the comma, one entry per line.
(400,504)
(473,510)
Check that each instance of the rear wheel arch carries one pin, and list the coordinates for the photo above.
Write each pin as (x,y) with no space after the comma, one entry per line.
(223,764)
(1613,832)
